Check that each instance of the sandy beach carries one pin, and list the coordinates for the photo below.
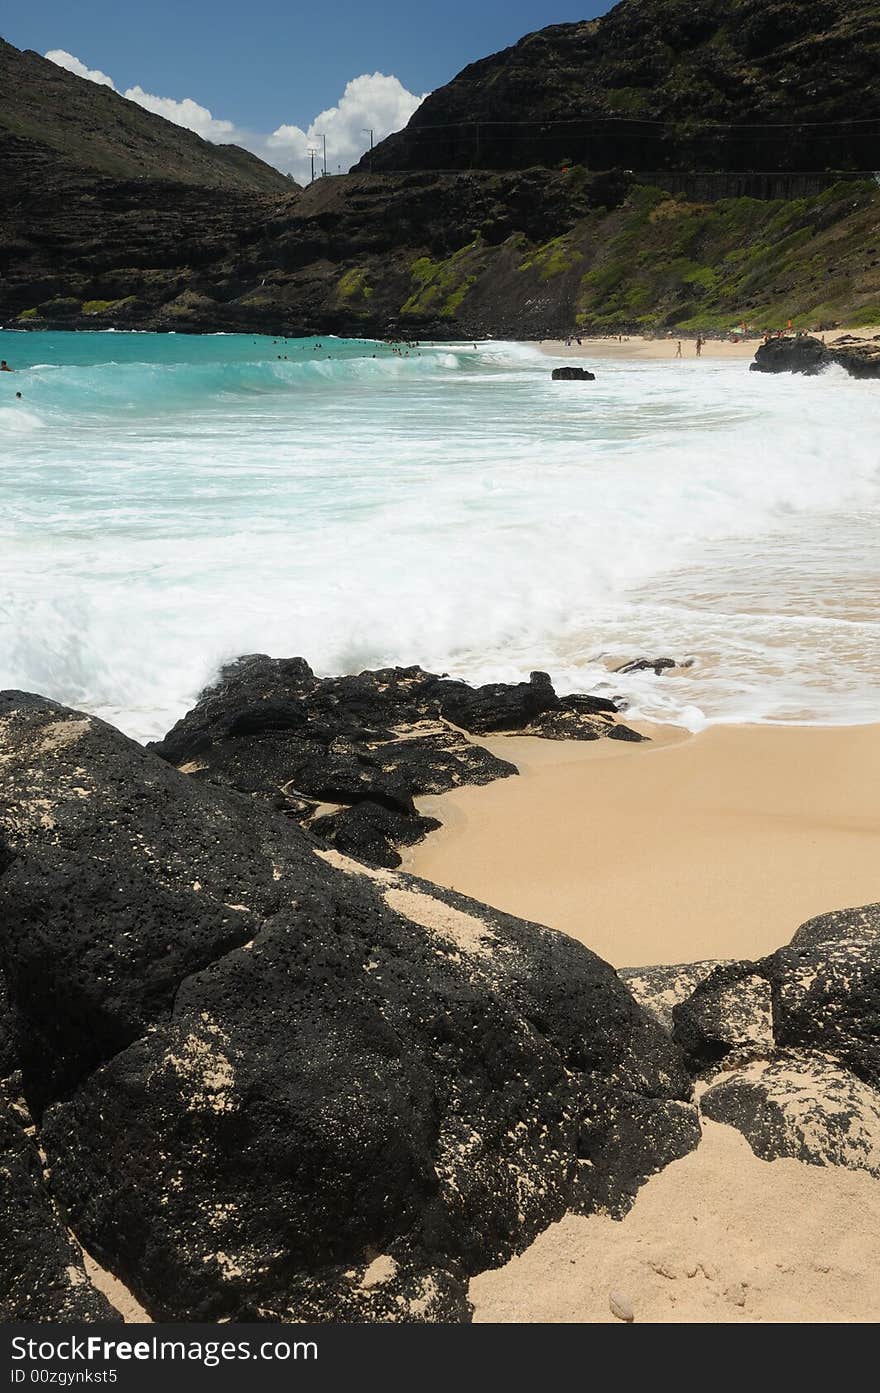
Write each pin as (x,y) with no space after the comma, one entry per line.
(718,1237)
(663,348)
(692,847)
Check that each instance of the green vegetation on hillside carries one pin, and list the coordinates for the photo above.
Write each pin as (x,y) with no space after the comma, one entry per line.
(439,287)
(102,306)
(553,259)
(353,288)
(661,260)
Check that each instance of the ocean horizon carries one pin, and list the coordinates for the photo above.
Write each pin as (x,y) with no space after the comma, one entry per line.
(173,501)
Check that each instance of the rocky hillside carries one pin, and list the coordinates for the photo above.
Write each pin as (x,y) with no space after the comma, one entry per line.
(102,227)
(527,254)
(665,84)
(61,122)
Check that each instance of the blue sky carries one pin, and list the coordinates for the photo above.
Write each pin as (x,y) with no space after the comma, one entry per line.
(263,63)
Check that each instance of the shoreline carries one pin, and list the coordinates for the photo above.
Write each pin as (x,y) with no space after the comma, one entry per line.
(708,846)
(656,349)
(647,350)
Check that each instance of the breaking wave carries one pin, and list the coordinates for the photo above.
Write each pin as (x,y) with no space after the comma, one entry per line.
(171,501)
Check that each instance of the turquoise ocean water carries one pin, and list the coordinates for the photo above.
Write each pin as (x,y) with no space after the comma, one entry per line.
(169,501)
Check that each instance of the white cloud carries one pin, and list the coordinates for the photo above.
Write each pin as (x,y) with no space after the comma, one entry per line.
(73,65)
(373,101)
(184,113)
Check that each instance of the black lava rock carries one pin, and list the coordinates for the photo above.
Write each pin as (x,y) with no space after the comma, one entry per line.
(804,355)
(622,732)
(573,375)
(127,877)
(728,1010)
(859,357)
(370,833)
(826,989)
(274,1081)
(788,1046)
(588,704)
(269,727)
(42,1277)
(661,988)
(800,1104)
(496,706)
(656,665)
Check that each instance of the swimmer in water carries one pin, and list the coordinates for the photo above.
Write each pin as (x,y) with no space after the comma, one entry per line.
(4,366)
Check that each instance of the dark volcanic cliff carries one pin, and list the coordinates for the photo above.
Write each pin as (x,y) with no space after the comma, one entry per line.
(741,85)
(114,217)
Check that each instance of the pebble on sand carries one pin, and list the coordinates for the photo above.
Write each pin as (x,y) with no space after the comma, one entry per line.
(620,1307)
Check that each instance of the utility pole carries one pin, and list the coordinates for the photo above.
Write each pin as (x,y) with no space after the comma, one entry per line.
(369,132)
(318,136)
(312,154)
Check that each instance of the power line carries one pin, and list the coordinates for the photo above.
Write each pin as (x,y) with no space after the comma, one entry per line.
(544,139)
(674,124)
(673,173)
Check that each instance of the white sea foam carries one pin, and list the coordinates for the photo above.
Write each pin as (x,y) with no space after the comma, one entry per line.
(199,499)
(17,420)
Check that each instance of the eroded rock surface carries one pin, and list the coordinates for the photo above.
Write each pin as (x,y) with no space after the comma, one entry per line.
(366,743)
(42,1277)
(259,1066)
(801,1104)
(661,988)
(271,1082)
(126,878)
(730,1009)
(810,356)
(786,1048)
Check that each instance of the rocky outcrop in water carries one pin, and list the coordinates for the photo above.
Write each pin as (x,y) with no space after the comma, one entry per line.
(810,356)
(803,354)
(656,665)
(272,1083)
(572,375)
(366,744)
(860,357)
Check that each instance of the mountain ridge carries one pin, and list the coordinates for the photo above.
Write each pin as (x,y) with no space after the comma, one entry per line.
(681,84)
(535,252)
(93,127)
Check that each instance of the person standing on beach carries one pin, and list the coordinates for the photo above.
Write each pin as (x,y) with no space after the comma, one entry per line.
(678,350)
(699,345)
